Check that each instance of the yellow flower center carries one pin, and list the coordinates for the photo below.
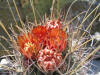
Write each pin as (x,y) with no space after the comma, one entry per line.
(28,46)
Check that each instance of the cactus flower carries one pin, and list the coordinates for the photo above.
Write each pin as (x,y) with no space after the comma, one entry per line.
(48,59)
(28,46)
(57,39)
(53,24)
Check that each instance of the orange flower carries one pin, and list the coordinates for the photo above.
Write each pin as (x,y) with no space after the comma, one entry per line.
(40,33)
(57,39)
(48,59)
(28,46)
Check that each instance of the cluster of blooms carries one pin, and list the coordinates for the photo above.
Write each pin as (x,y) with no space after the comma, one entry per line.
(44,44)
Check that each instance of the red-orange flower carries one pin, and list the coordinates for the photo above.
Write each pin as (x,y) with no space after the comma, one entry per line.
(57,39)
(48,59)
(28,45)
(40,33)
